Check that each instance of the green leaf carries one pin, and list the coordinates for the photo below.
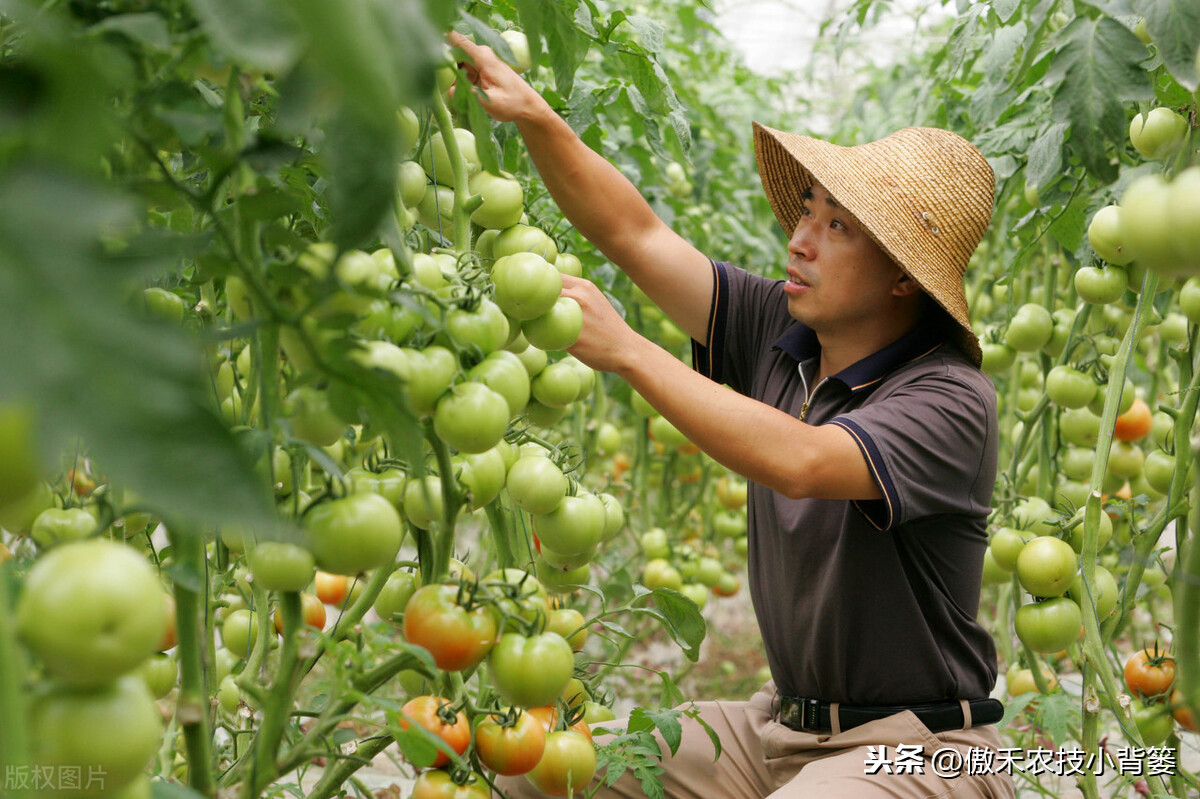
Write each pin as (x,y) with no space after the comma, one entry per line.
(1015,707)
(680,617)
(146,28)
(260,33)
(1005,8)
(130,388)
(161,789)
(650,31)
(667,724)
(362,157)
(1174,25)
(1055,713)
(1045,156)
(1097,70)
(1069,227)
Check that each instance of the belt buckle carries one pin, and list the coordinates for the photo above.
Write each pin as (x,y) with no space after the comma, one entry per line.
(810,714)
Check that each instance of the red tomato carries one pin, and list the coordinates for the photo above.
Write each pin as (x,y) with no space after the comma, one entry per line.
(1150,673)
(1135,423)
(434,715)
(332,589)
(510,745)
(313,611)
(457,638)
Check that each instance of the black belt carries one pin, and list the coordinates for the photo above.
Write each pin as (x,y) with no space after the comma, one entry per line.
(813,715)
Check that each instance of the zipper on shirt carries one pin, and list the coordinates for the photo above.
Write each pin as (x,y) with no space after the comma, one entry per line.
(808,398)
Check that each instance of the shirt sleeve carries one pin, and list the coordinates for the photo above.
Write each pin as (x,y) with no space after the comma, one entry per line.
(747,315)
(931,446)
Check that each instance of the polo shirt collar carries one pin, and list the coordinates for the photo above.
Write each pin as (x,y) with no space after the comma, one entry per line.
(800,342)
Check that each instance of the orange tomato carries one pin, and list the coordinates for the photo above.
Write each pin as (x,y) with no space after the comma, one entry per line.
(312,610)
(332,589)
(1135,423)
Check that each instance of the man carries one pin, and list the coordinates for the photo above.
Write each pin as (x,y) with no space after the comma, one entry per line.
(868,433)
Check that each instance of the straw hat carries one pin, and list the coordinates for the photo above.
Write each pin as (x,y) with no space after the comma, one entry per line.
(923,194)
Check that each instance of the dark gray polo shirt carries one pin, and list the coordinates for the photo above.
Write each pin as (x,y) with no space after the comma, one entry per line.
(867,603)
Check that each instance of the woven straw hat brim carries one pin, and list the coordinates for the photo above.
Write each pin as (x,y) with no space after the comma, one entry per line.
(924,195)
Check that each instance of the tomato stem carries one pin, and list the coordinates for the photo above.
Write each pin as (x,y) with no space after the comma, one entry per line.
(14,741)
(458,162)
(194,710)
(1093,645)
(279,701)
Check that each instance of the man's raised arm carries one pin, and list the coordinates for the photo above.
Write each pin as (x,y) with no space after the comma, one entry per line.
(596,198)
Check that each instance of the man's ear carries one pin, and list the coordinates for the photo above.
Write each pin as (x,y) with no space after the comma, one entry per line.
(905,285)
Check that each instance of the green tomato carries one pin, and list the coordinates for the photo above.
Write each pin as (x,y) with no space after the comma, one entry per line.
(1079,426)
(1006,545)
(536,484)
(503,200)
(504,373)
(1069,388)
(659,573)
(1048,626)
(482,475)
(1104,534)
(1185,217)
(1100,285)
(1046,566)
(526,284)
(410,128)
(533,671)
(354,534)
(614,516)
(160,673)
(485,327)
(1154,722)
(394,596)
(1157,134)
(1104,593)
(997,357)
(433,271)
(557,386)
(1104,234)
(411,183)
(436,160)
(112,730)
(1030,328)
(558,328)
(1159,470)
(313,418)
(429,373)
(471,417)
(1146,227)
(533,359)
(524,238)
(57,525)
(518,42)
(1189,299)
(573,528)
(423,502)
(163,304)
(281,566)
(91,611)
(568,264)
(239,632)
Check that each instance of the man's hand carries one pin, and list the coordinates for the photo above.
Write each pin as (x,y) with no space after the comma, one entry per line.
(506,95)
(607,343)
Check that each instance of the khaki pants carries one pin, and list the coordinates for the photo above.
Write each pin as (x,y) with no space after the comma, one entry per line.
(761,757)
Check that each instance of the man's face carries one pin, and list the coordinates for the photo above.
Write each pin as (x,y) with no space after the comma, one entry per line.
(838,276)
